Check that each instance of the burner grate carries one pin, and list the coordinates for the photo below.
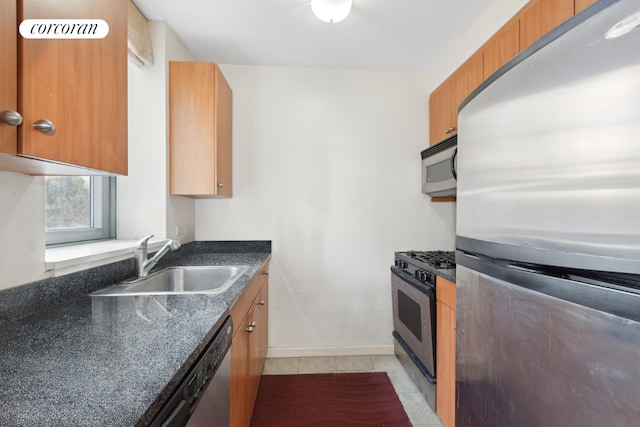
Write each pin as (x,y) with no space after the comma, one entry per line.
(437,259)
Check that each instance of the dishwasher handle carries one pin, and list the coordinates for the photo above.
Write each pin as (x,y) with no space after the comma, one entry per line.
(178,417)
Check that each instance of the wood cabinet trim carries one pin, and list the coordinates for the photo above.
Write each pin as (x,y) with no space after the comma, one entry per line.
(446,350)
(9,72)
(446,292)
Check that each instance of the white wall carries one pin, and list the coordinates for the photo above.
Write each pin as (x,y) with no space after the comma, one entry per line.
(144,204)
(22,229)
(327,166)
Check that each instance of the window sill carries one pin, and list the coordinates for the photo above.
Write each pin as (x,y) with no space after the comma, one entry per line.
(69,259)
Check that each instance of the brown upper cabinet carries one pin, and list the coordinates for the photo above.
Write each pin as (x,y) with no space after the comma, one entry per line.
(444,101)
(9,73)
(503,46)
(440,113)
(74,89)
(200,108)
(539,17)
(532,22)
(464,81)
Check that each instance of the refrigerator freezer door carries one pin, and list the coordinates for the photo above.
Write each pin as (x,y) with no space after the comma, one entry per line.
(525,358)
(549,152)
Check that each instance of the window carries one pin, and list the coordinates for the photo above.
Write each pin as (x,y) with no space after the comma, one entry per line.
(79,208)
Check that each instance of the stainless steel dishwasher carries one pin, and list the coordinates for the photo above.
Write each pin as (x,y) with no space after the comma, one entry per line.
(202,397)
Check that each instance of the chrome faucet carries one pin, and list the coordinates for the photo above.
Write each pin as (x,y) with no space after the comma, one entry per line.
(144,265)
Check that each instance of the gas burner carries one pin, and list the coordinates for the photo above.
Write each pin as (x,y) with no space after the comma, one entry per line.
(435,259)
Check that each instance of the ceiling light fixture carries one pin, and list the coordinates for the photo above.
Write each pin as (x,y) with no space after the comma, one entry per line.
(331,11)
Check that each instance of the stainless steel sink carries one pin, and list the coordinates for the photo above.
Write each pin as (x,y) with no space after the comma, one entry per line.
(179,280)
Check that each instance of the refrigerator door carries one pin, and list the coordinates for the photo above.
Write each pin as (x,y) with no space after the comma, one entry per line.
(549,151)
(529,359)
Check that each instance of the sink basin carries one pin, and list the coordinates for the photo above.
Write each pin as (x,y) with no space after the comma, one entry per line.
(179,280)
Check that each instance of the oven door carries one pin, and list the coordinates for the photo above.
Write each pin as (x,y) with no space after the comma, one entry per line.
(414,316)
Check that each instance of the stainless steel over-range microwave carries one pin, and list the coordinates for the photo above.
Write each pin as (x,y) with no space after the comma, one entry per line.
(439,168)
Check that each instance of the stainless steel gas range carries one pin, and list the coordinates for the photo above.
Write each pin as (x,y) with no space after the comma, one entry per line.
(413,287)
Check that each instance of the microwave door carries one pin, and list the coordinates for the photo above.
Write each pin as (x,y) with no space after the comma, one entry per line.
(438,173)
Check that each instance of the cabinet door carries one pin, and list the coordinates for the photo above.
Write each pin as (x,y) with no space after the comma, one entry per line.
(581,5)
(200,103)
(240,410)
(541,16)
(79,85)
(464,81)
(254,365)
(503,46)
(9,72)
(223,116)
(440,106)
(261,332)
(446,351)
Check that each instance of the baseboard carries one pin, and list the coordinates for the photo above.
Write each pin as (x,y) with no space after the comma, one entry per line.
(376,350)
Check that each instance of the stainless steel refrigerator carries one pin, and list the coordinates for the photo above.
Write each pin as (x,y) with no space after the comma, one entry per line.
(548,232)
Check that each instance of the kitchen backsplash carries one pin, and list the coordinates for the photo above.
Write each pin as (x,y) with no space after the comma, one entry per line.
(30,298)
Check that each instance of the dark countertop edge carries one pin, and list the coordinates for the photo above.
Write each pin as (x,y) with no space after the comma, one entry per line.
(30,298)
(171,386)
(449,274)
(163,397)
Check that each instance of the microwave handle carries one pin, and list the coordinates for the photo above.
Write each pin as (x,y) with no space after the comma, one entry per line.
(453,164)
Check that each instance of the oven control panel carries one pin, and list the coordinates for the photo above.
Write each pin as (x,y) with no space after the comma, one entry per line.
(420,274)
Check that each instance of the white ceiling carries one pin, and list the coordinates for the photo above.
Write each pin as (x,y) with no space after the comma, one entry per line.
(378,35)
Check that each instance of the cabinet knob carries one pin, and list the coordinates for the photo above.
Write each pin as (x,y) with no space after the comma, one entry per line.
(252,324)
(45,126)
(11,118)
(262,302)
(250,329)
(220,185)
(449,130)
(266,272)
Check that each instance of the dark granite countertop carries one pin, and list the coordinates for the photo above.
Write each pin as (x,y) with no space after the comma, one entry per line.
(109,361)
(449,274)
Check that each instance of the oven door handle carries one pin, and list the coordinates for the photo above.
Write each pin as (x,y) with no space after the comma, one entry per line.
(411,281)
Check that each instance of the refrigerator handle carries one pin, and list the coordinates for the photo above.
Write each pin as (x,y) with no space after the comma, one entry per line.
(453,164)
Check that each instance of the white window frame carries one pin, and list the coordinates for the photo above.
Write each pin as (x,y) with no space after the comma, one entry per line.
(103,214)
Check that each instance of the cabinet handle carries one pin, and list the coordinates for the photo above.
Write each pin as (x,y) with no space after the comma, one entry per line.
(220,185)
(11,118)
(45,126)
(449,130)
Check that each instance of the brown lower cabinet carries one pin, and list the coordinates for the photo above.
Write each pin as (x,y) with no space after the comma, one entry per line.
(446,351)
(249,347)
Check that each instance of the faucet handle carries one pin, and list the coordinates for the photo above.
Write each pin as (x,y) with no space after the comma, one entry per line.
(142,244)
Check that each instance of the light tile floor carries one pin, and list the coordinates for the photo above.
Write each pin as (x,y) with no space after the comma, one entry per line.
(412,400)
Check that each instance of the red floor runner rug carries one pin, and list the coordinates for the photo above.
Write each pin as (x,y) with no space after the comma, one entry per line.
(348,399)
